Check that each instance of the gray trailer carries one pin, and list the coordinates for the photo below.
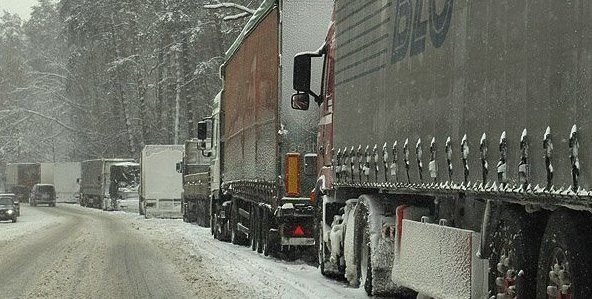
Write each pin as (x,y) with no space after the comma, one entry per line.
(20,179)
(454,138)
(99,184)
(263,191)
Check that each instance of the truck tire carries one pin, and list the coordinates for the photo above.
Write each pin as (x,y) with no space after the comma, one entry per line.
(213,220)
(14,220)
(260,231)
(184,208)
(235,236)
(322,251)
(141,208)
(566,247)
(253,227)
(513,261)
(269,244)
(362,249)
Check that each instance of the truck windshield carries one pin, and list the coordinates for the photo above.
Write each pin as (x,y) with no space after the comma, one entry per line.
(126,176)
(46,189)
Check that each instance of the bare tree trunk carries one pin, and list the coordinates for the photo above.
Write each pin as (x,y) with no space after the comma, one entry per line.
(142,103)
(159,89)
(189,105)
(122,98)
(178,93)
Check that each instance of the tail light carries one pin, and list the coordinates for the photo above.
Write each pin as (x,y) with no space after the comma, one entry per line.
(313,197)
(298,230)
(293,174)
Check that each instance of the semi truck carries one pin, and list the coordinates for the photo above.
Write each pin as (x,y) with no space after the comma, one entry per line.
(20,178)
(449,148)
(195,172)
(103,179)
(160,184)
(66,178)
(261,148)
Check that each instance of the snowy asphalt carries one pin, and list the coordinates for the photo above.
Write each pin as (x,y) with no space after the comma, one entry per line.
(75,252)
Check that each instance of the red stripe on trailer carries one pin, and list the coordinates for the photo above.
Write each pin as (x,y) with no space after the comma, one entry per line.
(400,216)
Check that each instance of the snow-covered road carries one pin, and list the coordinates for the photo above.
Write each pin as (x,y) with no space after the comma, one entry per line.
(80,252)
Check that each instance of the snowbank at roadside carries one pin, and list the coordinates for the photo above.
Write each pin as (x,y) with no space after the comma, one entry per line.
(262,277)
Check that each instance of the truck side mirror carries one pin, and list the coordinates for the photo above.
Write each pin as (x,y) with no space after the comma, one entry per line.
(302,63)
(179,167)
(202,130)
(300,101)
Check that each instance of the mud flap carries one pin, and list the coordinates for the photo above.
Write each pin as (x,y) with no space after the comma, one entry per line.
(439,261)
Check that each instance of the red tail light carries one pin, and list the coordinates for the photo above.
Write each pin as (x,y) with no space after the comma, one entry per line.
(298,232)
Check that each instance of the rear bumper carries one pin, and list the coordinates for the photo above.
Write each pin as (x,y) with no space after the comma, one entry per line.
(296,213)
(44,202)
(163,208)
(298,241)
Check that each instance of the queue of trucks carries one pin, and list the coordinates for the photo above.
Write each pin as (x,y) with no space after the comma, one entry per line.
(443,161)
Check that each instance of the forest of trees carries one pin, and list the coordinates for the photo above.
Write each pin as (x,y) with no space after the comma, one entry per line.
(83,79)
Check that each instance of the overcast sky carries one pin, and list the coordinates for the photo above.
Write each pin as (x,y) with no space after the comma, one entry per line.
(21,7)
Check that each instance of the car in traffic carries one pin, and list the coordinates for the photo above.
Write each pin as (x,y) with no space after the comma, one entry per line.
(8,208)
(43,194)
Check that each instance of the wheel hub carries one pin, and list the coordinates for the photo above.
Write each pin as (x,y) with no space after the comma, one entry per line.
(506,281)
(559,286)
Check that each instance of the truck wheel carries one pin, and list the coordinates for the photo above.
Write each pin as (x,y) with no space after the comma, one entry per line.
(362,249)
(253,227)
(213,220)
(269,246)
(322,251)
(235,236)
(565,264)
(260,230)
(514,254)
(14,220)
(141,208)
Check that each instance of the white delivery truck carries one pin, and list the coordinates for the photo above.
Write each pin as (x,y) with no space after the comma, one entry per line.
(66,178)
(160,183)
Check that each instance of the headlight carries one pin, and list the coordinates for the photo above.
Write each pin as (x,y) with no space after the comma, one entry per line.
(9,212)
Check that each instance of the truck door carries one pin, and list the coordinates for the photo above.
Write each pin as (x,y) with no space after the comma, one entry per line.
(325,134)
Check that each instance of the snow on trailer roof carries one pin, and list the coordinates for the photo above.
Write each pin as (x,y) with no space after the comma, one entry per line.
(112,160)
(126,164)
(154,149)
(257,17)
